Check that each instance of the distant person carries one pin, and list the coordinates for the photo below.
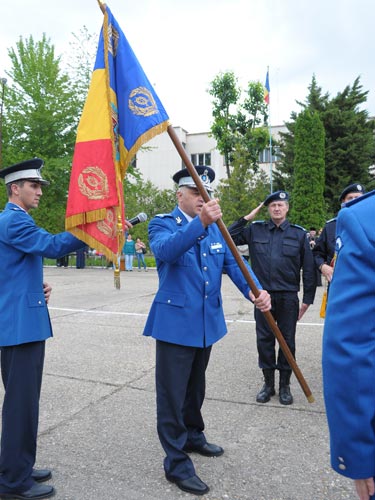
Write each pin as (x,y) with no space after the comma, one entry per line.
(62,261)
(186,319)
(312,236)
(348,347)
(324,248)
(140,250)
(24,326)
(129,252)
(81,257)
(279,251)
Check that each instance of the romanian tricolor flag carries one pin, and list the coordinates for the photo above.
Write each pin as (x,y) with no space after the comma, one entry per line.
(267,89)
(122,112)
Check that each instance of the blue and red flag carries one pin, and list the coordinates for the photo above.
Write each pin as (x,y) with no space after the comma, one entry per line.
(121,113)
(267,89)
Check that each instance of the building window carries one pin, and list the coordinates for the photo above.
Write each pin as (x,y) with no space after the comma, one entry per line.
(264,156)
(201,159)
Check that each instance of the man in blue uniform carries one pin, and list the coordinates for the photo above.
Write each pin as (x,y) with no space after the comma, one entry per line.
(186,319)
(24,327)
(279,251)
(348,347)
(324,248)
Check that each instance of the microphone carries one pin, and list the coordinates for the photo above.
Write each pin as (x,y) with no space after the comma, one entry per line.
(141,217)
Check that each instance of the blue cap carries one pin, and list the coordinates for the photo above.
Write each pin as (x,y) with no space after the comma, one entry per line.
(276,196)
(207,175)
(352,188)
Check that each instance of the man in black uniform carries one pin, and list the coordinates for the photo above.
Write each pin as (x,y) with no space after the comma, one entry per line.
(324,248)
(278,252)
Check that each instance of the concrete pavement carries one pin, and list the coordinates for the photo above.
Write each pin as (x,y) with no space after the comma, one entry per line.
(98,424)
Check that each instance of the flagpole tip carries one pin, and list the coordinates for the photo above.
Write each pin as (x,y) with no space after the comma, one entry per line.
(102,6)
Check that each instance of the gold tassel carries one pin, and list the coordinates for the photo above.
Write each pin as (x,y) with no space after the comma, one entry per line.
(117,276)
(323,306)
(117,262)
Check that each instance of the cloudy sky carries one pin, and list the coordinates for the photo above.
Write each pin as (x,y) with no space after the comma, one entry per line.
(183,44)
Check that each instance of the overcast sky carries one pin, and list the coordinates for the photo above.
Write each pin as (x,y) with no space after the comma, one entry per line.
(183,44)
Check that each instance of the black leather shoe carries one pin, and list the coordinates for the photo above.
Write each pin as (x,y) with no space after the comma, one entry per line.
(41,475)
(37,491)
(191,485)
(207,450)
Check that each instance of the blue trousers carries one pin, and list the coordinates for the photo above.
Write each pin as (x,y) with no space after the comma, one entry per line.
(21,371)
(180,391)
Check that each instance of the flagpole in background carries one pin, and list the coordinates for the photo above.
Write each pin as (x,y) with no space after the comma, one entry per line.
(267,100)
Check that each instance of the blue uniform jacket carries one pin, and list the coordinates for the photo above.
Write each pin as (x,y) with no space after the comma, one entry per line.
(24,314)
(187,308)
(349,343)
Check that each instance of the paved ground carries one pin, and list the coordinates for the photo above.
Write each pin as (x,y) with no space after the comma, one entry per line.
(97,426)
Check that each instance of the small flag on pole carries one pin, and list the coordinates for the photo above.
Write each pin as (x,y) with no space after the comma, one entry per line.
(121,113)
(267,89)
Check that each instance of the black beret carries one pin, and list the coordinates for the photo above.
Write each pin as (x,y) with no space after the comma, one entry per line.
(207,175)
(276,196)
(25,170)
(352,188)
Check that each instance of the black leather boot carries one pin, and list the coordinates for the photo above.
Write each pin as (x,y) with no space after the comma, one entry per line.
(285,396)
(268,388)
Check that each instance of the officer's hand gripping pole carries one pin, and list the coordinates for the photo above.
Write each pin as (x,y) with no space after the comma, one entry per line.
(224,231)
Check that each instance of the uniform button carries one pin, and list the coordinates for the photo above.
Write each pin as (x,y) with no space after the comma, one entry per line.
(39,302)
(340,459)
(206,283)
(342,466)
(205,268)
(169,301)
(204,255)
(206,296)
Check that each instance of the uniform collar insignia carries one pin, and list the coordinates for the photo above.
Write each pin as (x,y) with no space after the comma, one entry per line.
(178,220)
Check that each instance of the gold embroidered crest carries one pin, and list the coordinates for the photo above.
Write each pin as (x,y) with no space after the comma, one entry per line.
(93,183)
(142,102)
(108,226)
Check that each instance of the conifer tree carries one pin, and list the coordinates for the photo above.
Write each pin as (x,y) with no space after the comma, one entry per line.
(307,197)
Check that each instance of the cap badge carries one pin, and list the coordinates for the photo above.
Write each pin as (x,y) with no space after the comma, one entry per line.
(282,196)
(204,176)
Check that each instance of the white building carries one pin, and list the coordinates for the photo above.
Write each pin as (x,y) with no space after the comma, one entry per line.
(158,160)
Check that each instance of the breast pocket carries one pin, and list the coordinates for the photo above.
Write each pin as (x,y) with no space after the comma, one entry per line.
(290,248)
(218,253)
(259,245)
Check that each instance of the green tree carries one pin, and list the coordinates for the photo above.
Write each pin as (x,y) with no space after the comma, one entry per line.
(143,196)
(244,190)
(350,147)
(226,93)
(238,126)
(251,120)
(308,208)
(349,142)
(41,108)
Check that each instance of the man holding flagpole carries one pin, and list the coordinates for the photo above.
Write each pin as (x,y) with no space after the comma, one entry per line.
(186,319)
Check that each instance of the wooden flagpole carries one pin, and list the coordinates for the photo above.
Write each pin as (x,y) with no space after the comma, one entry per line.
(224,231)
